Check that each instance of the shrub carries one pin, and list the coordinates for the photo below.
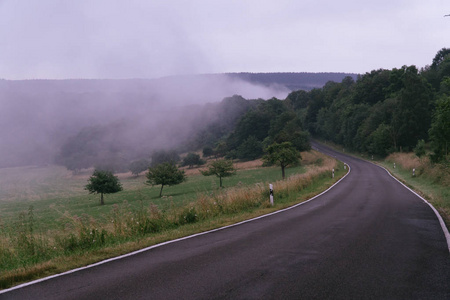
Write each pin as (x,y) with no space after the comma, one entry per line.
(420,148)
(188,215)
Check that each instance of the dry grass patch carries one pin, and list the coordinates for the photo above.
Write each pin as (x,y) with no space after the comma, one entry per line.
(432,181)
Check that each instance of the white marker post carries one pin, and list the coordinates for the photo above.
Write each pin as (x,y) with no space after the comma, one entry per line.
(394,165)
(332,174)
(345,167)
(414,172)
(271,194)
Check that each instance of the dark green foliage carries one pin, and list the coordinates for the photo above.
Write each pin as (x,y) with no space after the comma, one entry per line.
(256,122)
(371,87)
(440,57)
(297,100)
(419,150)
(165,174)
(220,168)
(187,216)
(139,166)
(192,159)
(271,121)
(163,156)
(287,127)
(379,141)
(221,149)
(208,151)
(316,102)
(383,111)
(440,129)
(283,154)
(103,182)
(250,149)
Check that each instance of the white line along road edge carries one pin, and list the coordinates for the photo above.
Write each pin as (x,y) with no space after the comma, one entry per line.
(172,241)
(441,221)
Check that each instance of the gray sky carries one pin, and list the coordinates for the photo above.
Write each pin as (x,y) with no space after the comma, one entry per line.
(56,39)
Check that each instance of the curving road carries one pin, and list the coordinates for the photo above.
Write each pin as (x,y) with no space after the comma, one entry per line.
(367,238)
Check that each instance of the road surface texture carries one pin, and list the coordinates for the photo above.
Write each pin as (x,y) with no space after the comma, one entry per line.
(367,238)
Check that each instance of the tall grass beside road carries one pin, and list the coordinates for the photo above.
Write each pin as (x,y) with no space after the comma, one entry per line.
(430,180)
(28,252)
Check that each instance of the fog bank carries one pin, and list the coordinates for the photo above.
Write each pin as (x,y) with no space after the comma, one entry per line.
(38,116)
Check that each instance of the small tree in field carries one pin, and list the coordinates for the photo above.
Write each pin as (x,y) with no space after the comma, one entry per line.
(220,168)
(103,182)
(283,154)
(165,174)
(191,160)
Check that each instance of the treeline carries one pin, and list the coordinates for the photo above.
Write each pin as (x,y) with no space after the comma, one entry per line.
(383,111)
(293,81)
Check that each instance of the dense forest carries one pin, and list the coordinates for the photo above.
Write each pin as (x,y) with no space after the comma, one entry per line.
(383,111)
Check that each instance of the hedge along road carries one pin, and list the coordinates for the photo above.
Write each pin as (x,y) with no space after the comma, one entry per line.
(366,238)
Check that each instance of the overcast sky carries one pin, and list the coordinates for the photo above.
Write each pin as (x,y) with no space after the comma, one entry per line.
(57,39)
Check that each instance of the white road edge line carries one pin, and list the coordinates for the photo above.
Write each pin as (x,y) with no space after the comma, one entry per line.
(441,221)
(170,242)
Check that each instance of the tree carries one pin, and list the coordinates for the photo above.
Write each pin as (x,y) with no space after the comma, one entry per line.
(163,156)
(138,166)
(283,154)
(165,174)
(251,148)
(207,151)
(103,182)
(440,129)
(221,168)
(192,159)
(420,148)
(221,149)
(380,141)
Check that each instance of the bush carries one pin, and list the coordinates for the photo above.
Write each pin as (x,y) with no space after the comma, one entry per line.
(420,148)
(188,215)
(139,166)
(208,151)
(191,160)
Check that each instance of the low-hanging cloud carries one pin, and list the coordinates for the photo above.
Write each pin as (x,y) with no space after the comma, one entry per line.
(38,116)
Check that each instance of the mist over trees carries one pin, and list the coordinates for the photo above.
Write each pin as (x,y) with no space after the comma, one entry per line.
(39,118)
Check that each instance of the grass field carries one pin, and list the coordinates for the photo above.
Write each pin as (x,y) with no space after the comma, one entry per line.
(49,224)
(54,192)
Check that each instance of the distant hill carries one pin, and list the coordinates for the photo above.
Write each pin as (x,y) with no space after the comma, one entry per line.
(38,116)
(293,81)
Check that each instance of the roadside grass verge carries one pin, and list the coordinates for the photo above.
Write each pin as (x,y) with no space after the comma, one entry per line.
(432,181)
(28,253)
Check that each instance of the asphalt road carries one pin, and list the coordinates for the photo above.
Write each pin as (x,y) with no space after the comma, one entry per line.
(367,238)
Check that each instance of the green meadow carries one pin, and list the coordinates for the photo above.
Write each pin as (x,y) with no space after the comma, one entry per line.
(55,193)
